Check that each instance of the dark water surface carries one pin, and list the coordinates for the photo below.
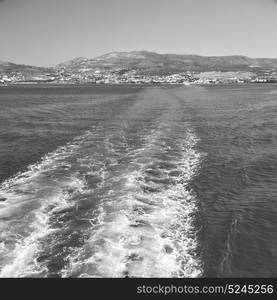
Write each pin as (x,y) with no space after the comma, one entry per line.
(115,181)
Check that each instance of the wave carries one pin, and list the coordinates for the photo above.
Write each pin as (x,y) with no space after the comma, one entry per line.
(114,202)
(145,225)
(32,197)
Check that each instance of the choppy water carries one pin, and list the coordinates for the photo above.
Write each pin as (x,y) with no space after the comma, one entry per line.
(138,181)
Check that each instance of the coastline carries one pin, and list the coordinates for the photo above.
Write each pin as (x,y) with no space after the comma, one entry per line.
(40,84)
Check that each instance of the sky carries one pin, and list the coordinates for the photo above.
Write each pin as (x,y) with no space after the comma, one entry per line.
(47,32)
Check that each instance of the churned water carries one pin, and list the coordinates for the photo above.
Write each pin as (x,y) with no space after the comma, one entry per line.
(158,181)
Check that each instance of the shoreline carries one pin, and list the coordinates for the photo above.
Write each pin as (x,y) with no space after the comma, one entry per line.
(39,84)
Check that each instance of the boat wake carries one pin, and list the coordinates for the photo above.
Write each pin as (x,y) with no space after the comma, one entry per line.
(146,221)
(115,202)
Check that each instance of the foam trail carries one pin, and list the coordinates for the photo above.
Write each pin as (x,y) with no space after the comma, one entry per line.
(145,226)
(114,202)
(32,198)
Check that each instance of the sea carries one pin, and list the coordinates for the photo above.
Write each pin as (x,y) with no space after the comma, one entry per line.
(138,181)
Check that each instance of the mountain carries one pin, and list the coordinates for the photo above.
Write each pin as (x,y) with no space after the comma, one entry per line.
(145,62)
(26,70)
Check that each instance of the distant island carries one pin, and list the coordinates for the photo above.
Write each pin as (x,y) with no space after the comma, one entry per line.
(144,67)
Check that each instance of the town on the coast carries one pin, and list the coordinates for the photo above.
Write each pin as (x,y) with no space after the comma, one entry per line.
(131,77)
(144,67)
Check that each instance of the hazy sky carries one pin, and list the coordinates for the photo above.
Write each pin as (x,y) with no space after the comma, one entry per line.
(46,32)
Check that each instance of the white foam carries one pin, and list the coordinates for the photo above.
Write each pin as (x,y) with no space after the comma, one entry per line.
(143,234)
(134,232)
(32,197)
